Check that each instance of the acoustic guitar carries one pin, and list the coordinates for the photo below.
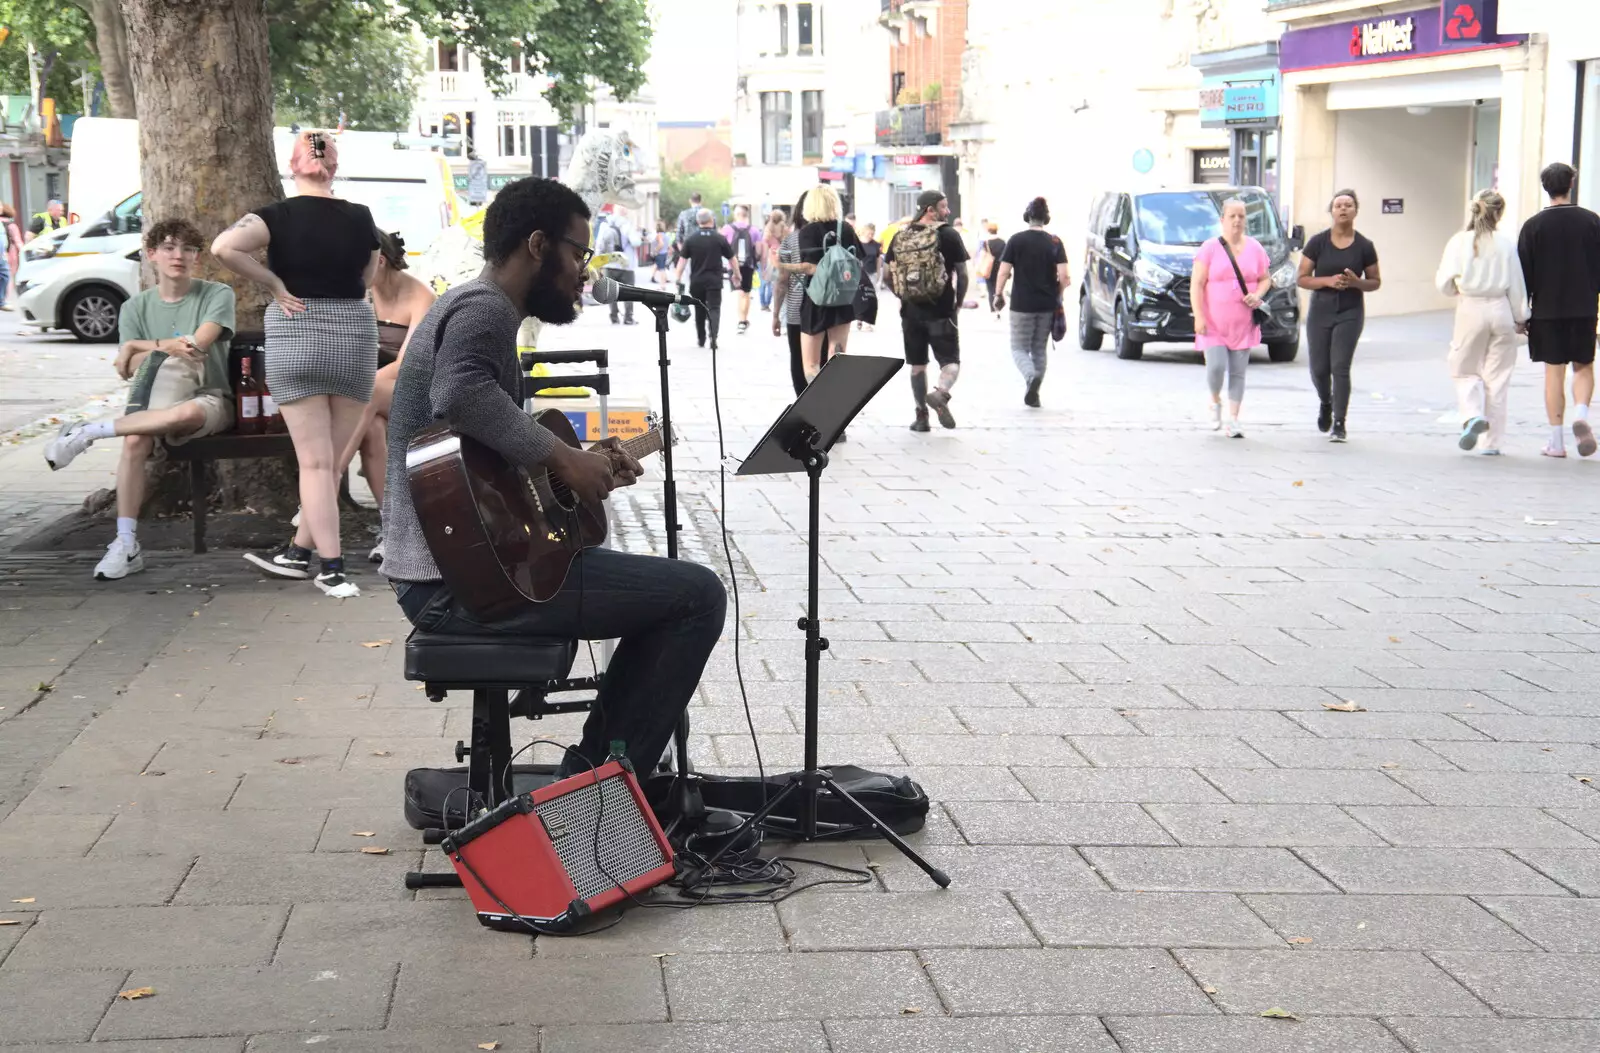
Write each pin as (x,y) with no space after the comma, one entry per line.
(503,536)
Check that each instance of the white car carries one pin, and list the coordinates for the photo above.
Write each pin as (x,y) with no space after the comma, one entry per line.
(80,294)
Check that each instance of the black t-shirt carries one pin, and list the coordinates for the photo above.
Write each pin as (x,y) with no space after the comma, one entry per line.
(954,252)
(320,246)
(1329,260)
(705,250)
(1560,253)
(997,248)
(870,251)
(1034,255)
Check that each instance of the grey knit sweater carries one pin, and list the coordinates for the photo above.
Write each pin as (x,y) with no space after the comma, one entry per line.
(460,368)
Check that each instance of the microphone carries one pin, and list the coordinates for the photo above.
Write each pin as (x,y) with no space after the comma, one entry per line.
(609,290)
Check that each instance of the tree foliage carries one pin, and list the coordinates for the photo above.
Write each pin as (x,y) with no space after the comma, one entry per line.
(350,59)
(677,185)
(63,37)
(576,43)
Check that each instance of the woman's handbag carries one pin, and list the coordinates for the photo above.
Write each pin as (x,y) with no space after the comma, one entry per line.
(1260,316)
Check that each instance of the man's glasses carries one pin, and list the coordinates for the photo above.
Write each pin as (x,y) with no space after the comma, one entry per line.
(173,248)
(585,253)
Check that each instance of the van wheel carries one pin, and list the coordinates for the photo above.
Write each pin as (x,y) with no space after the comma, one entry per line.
(1089,338)
(90,314)
(1127,347)
(1284,350)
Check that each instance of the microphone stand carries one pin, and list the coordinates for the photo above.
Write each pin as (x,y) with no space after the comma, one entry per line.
(690,806)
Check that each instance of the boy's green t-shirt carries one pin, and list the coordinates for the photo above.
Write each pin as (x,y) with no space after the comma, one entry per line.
(148,317)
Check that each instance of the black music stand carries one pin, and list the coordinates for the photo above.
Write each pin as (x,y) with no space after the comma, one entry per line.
(799,441)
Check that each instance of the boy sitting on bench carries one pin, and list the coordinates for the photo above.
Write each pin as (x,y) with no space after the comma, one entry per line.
(175,349)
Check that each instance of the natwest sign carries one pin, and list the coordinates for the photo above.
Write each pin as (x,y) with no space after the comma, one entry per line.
(1451,26)
(1391,36)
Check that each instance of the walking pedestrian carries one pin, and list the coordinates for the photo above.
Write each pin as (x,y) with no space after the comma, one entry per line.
(746,242)
(788,293)
(399,301)
(688,221)
(7,267)
(1035,262)
(704,254)
(1340,266)
(615,239)
(14,239)
(928,270)
(871,256)
(660,246)
(993,247)
(1232,276)
(322,341)
(772,236)
(1560,254)
(1480,266)
(823,326)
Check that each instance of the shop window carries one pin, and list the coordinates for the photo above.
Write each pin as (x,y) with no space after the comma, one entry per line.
(802,27)
(449,57)
(811,126)
(516,63)
(783,29)
(777,133)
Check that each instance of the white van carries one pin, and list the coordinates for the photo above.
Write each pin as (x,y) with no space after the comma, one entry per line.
(409,191)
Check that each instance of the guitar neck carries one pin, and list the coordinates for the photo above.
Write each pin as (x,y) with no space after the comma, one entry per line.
(643,445)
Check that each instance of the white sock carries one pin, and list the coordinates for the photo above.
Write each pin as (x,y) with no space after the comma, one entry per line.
(1557,436)
(100,429)
(1581,411)
(128,529)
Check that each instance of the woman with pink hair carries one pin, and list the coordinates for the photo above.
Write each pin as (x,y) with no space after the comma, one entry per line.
(322,340)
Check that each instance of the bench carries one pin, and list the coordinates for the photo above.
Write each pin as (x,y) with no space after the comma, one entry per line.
(229,446)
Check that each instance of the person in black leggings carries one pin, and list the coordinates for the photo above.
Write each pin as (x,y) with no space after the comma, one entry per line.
(1340,267)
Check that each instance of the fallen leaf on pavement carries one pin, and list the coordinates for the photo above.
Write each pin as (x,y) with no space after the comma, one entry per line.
(665,954)
(1278,1014)
(1299,939)
(376,643)
(25,899)
(1345,707)
(374,851)
(136,993)
(380,753)
(910,1010)
(9,921)
(1208,989)
(488,1045)
(1388,764)
(1298,482)
(363,833)
(46,688)
(1361,924)
(1394,639)
(1584,778)
(289,760)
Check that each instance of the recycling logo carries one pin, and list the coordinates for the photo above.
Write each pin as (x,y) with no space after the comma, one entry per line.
(1463,24)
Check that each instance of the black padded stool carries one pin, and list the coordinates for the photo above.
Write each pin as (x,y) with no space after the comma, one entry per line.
(491,667)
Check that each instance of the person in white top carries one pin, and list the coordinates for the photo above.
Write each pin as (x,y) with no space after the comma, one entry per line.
(1480,267)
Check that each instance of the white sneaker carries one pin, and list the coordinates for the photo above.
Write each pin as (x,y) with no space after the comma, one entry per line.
(65,447)
(121,559)
(337,586)
(1216,416)
(1234,431)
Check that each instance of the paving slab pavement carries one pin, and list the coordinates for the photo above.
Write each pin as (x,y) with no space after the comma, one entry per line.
(1102,636)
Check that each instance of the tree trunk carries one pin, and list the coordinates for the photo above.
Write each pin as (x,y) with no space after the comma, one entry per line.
(206,155)
(111,44)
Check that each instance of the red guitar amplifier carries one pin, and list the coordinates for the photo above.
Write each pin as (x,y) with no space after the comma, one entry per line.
(559,853)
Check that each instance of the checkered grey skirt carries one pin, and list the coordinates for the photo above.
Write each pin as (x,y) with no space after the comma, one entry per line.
(330,349)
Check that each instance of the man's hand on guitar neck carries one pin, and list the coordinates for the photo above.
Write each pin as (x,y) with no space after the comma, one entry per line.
(591,475)
(626,467)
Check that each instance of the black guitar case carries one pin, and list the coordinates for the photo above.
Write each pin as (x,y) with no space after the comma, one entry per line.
(895,799)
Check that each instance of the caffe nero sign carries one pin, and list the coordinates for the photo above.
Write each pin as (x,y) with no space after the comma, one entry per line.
(1239,99)
(1451,26)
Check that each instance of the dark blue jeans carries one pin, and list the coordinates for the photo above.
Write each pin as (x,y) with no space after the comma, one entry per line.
(665,614)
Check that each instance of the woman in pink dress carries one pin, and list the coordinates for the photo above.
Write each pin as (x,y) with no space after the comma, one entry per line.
(1223,303)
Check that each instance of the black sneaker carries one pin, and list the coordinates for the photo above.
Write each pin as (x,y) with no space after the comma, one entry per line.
(921,423)
(1338,432)
(1325,417)
(742,327)
(286,561)
(1032,397)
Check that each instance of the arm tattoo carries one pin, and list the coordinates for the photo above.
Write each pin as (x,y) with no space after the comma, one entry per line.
(246,220)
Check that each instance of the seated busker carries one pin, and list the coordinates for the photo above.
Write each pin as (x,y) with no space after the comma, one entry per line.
(175,339)
(461,370)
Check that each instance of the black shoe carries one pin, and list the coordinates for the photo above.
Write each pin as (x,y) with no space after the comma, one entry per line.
(700,344)
(921,423)
(285,561)
(1032,397)
(742,327)
(1325,417)
(1338,432)
(939,399)
(630,321)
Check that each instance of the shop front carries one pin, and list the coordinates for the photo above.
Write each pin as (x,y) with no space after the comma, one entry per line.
(1415,110)
(1240,93)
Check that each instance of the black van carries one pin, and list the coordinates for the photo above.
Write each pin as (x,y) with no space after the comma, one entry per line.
(1140,255)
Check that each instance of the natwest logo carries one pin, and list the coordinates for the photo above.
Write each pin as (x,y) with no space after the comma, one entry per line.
(1391,36)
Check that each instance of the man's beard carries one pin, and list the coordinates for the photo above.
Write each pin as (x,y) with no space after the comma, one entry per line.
(545,301)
